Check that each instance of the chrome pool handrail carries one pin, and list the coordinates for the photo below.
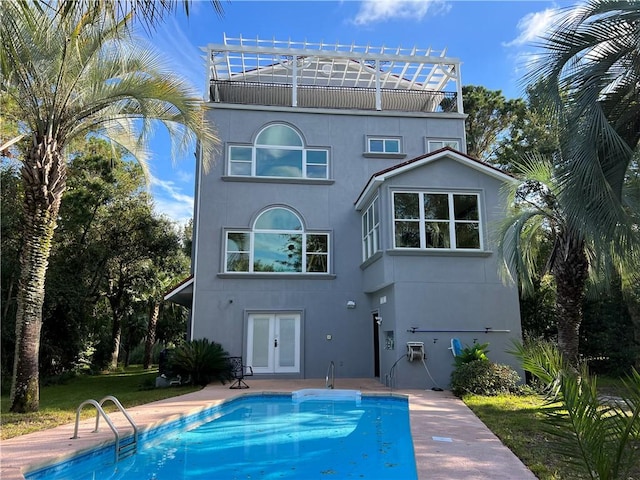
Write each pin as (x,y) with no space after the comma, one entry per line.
(331,374)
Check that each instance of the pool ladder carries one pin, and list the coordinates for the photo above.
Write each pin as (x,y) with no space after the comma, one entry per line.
(130,444)
(331,375)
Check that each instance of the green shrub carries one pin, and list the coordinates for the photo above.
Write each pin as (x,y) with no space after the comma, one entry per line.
(482,377)
(477,351)
(200,361)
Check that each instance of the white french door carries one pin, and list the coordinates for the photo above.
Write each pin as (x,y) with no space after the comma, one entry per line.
(273,342)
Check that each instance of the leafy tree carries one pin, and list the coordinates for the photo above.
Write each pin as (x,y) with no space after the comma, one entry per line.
(537,210)
(70,76)
(490,117)
(589,69)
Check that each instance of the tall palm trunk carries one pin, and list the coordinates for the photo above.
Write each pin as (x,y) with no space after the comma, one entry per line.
(44,179)
(570,270)
(154,313)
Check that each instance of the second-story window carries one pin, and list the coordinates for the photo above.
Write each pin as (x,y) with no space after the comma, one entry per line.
(278,152)
(437,220)
(277,243)
(371,230)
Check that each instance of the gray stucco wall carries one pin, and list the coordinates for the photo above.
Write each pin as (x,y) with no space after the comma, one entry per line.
(426,291)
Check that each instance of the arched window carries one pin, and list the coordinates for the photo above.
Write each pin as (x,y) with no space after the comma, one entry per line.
(277,243)
(279,152)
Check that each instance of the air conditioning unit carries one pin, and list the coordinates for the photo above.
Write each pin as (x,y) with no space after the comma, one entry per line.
(415,351)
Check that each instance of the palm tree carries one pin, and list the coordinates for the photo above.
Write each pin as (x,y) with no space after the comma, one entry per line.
(590,69)
(538,214)
(73,76)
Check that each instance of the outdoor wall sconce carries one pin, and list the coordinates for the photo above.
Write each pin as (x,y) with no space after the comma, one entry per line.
(351,304)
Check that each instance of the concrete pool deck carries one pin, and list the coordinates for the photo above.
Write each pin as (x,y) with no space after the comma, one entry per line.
(450,442)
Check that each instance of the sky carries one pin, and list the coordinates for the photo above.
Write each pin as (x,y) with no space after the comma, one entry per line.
(493,39)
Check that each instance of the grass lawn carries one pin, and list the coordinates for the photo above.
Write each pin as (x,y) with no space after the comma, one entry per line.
(517,421)
(58,403)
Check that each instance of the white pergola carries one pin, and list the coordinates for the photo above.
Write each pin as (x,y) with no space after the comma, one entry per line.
(302,64)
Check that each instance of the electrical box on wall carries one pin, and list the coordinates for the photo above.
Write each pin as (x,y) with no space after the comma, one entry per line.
(415,351)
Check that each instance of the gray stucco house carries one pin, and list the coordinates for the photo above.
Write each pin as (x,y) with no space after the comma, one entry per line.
(342,219)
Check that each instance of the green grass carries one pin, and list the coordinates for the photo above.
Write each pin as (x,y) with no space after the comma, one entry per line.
(518,422)
(58,403)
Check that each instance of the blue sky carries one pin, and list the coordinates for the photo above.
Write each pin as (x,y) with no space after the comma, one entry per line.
(493,39)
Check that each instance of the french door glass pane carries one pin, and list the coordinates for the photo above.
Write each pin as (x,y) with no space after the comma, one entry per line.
(287,343)
(261,342)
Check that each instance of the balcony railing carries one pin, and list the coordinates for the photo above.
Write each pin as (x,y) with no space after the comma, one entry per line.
(314,96)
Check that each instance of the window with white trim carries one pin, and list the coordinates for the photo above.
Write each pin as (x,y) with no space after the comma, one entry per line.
(371,230)
(384,145)
(277,244)
(433,145)
(278,151)
(437,220)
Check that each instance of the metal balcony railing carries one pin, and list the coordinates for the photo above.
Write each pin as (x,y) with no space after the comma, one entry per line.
(315,96)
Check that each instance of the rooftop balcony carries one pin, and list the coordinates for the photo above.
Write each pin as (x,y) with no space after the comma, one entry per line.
(249,71)
(328,97)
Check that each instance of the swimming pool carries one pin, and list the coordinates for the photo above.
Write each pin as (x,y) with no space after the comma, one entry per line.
(305,435)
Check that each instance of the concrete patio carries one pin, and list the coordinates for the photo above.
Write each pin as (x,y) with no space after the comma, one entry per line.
(450,442)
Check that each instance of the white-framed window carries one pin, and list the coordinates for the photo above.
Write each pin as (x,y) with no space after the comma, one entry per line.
(371,230)
(437,220)
(384,145)
(433,145)
(277,243)
(279,152)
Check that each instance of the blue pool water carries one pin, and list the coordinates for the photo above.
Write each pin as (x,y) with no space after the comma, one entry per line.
(266,437)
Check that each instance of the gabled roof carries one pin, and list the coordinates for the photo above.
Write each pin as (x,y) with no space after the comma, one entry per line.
(182,293)
(447,152)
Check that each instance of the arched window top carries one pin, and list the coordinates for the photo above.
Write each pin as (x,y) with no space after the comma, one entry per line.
(279,135)
(278,219)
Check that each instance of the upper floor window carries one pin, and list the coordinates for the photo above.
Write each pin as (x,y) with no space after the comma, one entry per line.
(433,145)
(278,151)
(436,220)
(277,243)
(383,145)
(371,230)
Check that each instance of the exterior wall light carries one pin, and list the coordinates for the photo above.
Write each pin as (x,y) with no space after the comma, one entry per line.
(351,304)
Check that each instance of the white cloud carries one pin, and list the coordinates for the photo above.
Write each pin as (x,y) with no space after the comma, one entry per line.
(533,26)
(372,11)
(170,201)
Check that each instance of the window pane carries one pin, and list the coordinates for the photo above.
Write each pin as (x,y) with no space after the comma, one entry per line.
(467,235)
(435,145)
(436,206)
(407,234)
(274,252)
(376,146)
(317,243)
(287,344)
(406,205)
(317,157)
(277,162)
(452,143)
(392,146)
(237,262)
(240,153)
(465,207)
(240,168)
(437,235)
(238,242)
(317,248)
(260,351)
(279,135)
(278,219)
(316,171)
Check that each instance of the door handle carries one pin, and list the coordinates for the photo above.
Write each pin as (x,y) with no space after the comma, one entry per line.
(275,342)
